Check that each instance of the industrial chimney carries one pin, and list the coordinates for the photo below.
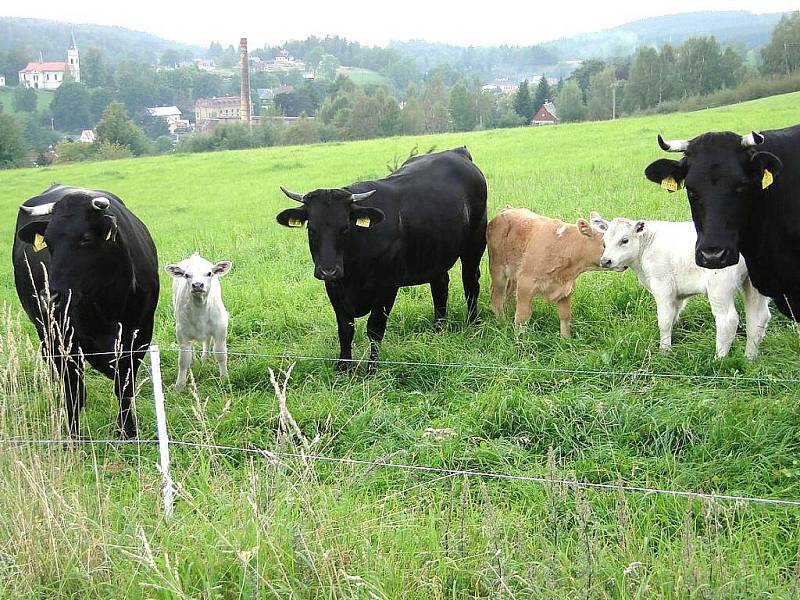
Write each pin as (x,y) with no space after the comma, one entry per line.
(244,99)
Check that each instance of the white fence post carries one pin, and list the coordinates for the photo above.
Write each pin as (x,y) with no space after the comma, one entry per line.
(161,422)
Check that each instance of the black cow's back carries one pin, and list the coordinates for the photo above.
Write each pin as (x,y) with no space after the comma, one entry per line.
(435,206)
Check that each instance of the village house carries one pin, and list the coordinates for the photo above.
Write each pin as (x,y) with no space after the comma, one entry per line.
(43,75)
(2,81)
(546,115)
(503,85)
(169,114)
(87,136)
(211,111)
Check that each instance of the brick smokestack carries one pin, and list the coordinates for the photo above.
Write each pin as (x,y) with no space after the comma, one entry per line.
(244,98)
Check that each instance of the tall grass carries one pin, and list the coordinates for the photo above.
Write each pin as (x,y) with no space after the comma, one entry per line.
(86,521)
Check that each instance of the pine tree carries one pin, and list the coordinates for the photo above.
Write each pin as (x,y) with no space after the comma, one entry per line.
(542,94)
(523,103)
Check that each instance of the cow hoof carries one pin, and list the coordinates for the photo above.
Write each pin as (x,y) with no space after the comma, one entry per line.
(343,366)
(372,368)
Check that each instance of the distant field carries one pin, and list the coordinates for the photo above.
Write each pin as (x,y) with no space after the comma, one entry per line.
(363,76)
(86,523)
(44,98)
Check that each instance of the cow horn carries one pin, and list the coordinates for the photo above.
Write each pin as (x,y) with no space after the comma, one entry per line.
(672,145)
(752,139)
(38,211)
(293,195)
(363,196)
(100,203)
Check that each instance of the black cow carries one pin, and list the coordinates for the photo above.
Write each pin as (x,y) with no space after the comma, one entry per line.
(86,272)
(373,237)
(744,193)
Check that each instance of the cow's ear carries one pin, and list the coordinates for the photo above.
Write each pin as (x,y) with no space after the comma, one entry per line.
(669,174)
(765,166)
(638,227)
(367,216)
(585,228)
(293,217)
(598,222)
(222,267)
(29,232)
(109,228)
(175,271)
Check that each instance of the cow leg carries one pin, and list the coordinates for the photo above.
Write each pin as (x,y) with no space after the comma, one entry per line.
(757,313)
(524,299)
(499,288)
(667,308)
(125,388)
(565,316)
(376,325)
(221,353)
(471,273)
(727,319)
(185,357)
(71,373)
(346,329)
(439,290)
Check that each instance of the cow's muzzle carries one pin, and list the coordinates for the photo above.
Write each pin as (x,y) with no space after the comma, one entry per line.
(716,258)
(329,274)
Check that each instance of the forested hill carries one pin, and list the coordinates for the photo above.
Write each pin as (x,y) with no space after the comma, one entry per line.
(53,37)
(741,28)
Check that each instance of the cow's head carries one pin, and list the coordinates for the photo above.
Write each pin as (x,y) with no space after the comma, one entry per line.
(198,273)
(81,236)
(331,216)
(621,241)
(724,175)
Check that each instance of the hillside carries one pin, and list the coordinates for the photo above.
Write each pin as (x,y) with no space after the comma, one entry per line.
(604,407)
(740,28)
(53,37)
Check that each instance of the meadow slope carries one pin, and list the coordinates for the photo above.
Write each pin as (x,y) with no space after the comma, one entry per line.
(87,523)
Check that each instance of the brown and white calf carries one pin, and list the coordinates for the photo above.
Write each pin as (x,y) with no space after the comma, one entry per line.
(534,255)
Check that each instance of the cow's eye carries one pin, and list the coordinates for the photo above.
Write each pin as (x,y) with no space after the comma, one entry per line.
(208,274)
(624,241)
(187,275)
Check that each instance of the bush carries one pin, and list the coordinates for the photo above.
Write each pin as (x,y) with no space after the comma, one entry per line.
(75,151)
(111,151)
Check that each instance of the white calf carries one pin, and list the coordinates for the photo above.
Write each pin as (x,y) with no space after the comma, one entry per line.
(661,253)
(200,315)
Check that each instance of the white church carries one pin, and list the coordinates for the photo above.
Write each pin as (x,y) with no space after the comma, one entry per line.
(49,75)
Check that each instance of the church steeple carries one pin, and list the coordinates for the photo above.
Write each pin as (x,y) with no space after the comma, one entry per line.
(73,60)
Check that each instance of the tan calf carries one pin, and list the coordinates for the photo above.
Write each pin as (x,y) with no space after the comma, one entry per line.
(536,255)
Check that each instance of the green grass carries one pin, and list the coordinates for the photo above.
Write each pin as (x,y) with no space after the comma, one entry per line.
(86,523)
(363,76)
(43,99)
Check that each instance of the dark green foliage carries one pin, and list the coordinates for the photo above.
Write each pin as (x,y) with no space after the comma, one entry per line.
(117,129)
(523,103)
(71,107)
(25,99)
(782,54)
(94,71)
(153,127)
(542,94)
(12,142)
(463,108)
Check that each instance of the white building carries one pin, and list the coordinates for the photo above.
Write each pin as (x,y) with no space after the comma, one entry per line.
(2,81)
(43,75)
(170,114)
(88,136)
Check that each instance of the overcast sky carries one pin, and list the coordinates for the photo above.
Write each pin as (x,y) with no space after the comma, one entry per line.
(370,21)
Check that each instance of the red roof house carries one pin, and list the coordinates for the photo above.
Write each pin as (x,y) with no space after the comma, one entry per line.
(546,115)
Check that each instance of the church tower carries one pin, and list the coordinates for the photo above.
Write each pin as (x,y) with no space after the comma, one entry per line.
(73,60)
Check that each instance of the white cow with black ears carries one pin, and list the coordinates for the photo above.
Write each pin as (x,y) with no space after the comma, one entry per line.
(661,253)
(200,315)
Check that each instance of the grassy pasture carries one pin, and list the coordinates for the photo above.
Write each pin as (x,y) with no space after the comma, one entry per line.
(43,99)
(86,522)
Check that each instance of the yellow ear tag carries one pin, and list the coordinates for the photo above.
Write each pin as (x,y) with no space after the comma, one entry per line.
(669,184)
(362,221)
(39,243)
(294,222)
(767,180)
